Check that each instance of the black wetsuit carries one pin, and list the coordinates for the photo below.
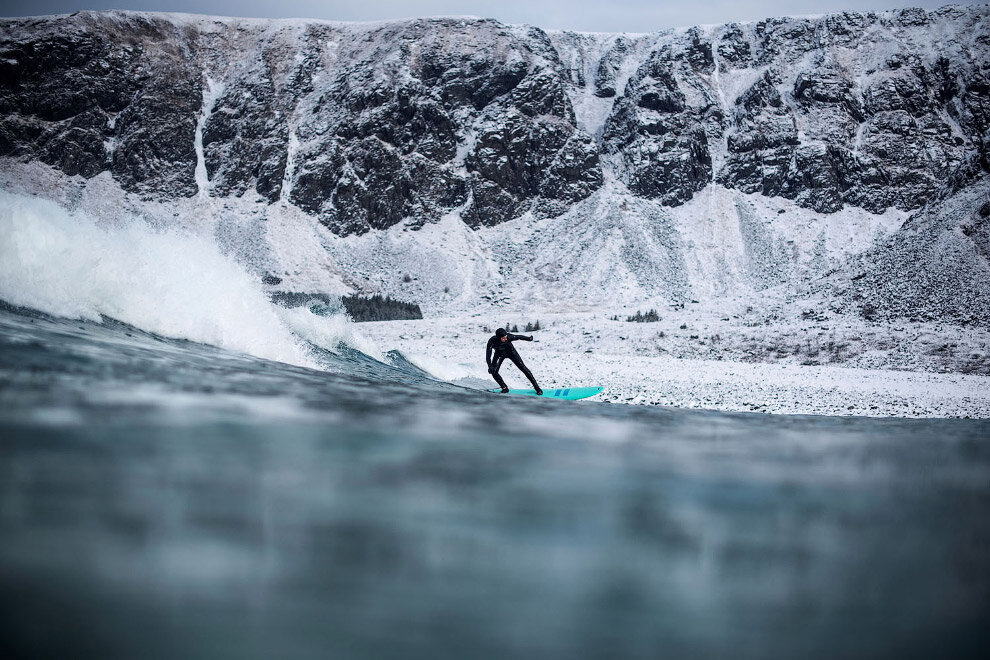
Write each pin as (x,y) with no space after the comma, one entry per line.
(496,353)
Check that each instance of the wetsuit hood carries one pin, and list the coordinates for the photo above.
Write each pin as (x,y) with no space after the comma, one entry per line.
(500,332)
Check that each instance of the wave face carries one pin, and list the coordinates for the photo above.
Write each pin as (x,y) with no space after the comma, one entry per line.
(166,498)
(170,283)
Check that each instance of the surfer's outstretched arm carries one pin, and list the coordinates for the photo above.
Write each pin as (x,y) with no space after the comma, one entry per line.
(520,338)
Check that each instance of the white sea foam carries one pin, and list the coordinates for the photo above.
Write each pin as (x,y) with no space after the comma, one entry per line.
(328,331)
(167,282)
(443,369)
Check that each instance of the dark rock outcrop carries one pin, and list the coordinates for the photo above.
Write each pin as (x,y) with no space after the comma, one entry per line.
(88,95)
(396,129)
(366,126)
(734,48)
(608,67)
(872,134)
(660,138)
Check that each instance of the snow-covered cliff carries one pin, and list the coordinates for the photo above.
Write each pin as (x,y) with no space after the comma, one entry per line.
(480,157)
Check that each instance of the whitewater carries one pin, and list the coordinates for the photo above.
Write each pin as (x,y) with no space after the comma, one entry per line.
(191,471)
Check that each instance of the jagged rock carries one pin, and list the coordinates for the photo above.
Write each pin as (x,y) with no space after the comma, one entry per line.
(546,159)
(902,91)
(846,28)
(661,139)
(543,94)
(436,188)
(974,115)
(575,73)
(76,151)
(154,134)
(762,141)
(826,86)
(365,126)
(608,67)
(517,108)
(65,94)
(573,175)
(408,118)
(779,38)
(243,142)
(734,48)
(491,204)
(539,43)
(815,176)
(912,17)
(883,141)
(365,186)
(699,52)
(472,76)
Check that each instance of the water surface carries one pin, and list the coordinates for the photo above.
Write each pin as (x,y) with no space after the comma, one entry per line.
(162,498)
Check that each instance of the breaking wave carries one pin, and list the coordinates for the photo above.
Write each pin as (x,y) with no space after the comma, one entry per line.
(167,282)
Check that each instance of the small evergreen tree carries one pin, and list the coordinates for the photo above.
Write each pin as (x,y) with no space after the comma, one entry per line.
(649,317)
(378,308)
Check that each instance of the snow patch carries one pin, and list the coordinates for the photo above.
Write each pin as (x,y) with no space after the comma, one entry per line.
(211,93)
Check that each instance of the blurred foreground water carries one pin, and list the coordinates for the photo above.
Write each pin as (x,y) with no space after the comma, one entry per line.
(166,499)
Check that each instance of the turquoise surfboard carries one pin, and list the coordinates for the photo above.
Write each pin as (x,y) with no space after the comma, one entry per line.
(566,393)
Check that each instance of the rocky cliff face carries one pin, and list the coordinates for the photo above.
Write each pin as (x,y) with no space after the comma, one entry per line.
(934,268)
(368,125)
(88,94)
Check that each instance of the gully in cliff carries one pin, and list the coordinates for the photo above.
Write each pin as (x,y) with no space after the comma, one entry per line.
(499,348)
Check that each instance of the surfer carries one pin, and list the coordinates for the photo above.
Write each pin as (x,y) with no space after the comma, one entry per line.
(499,348)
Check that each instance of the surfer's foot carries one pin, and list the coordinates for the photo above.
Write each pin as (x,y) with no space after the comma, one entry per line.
(505,390)
(539,392)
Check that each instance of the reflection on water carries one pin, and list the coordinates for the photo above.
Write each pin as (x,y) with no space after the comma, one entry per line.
(166,499)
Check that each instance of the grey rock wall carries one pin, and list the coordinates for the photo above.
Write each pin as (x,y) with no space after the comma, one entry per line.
(367,126)
(935,268)
(86,96)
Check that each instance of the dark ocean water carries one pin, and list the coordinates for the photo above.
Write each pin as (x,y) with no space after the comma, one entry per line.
(166,499)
